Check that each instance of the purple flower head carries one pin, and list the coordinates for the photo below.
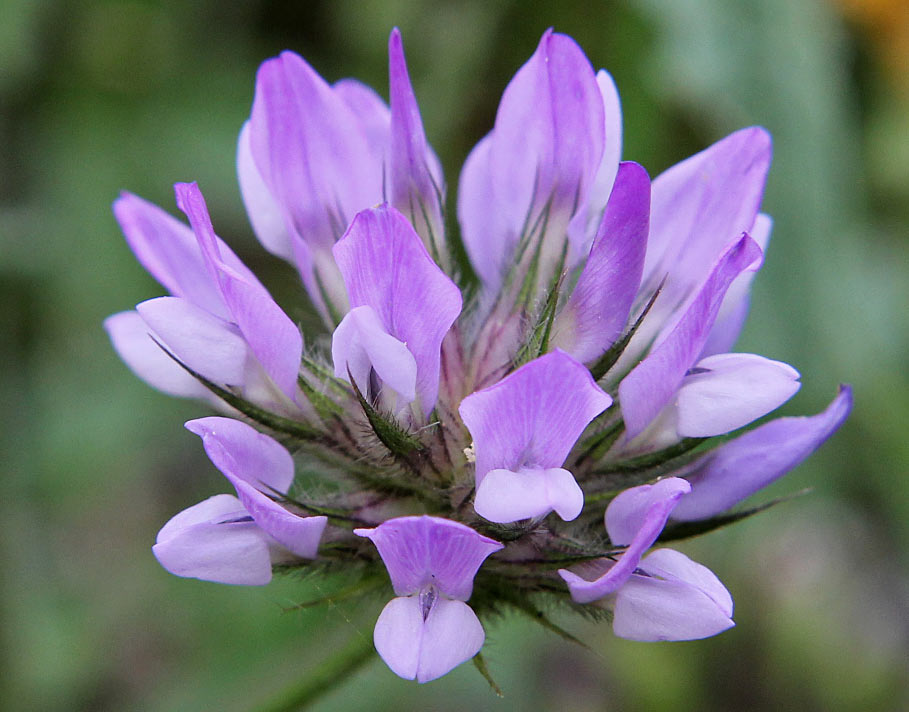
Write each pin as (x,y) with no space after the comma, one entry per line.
(236,539)
(523,428)
(429,630)
(664,596)
(485,405)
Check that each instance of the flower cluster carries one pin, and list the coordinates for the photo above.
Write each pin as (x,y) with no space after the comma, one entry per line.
(471,426)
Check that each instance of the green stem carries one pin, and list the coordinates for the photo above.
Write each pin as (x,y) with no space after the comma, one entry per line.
(332,673)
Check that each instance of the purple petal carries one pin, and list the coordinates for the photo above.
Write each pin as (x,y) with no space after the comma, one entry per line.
(673,565)
(424,550)
(728,391)
(372,115)
(385,266)
(310,150)
(271,335)
(752,461)
(243,452)
(299,535)
(252,461)
(585,222)
(599,306)
(360,344)
(652,609)
(414,190)
(729,323)
(654,381)
(452,635)
(424,650)
(635,518)
(703,204)
(398,635)
(130,337)
(316,266)
(548,136)
(612,147)
(168,250)
(206,343)
(547,145)
(532,417)
(505,496)
(631,510)
(482,229)
(211,541)
(731,317)
(265,214)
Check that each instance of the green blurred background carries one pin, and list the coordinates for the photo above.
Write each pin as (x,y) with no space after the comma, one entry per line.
(97,96)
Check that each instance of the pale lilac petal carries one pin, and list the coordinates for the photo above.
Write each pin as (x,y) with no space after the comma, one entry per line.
(310,150)
(414,190)
(481,228)
(204,342)
(731,317)
(654,381)
(635,518)
(703,204)
(424,550)
(628,513)
(215,541)
(584,591)
(504,496)
(130,337)
(374,118)
(299,535)
(671,564)
(424,650)
(526,420)
(360,343)
(255,464)
(398,636)
(547,144)
(727,391)
(385,266)
(168,250)
(549,132)
(584,224)
(728,325)
(219,508)
(612,147)
(272,336)
(240,450)
(752,461)
(652,609)
(264,212)
(598,309)
(452,634)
